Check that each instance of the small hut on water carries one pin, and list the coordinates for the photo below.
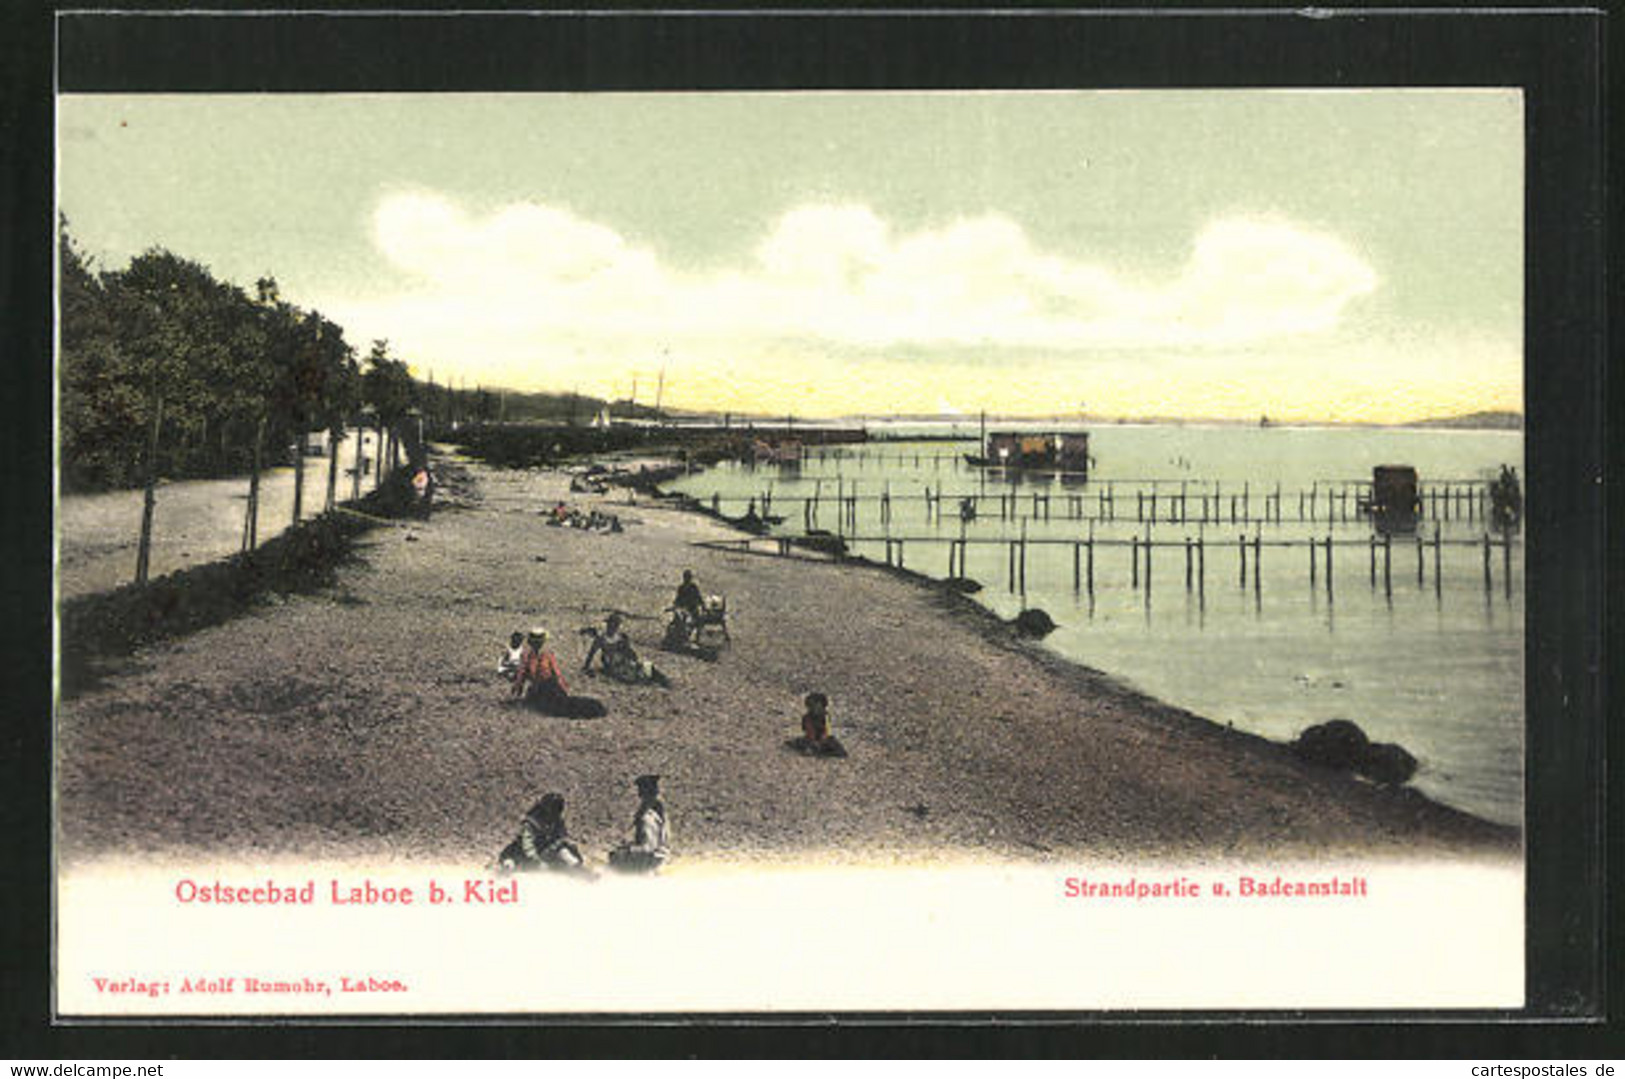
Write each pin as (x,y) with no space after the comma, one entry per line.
(1067,452)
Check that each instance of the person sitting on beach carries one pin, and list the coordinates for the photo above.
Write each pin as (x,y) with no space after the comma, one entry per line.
(540,682)
(543,841)
(816,739)
(650,845)
(689,599)
(617,658)
(508,665)
(559,515)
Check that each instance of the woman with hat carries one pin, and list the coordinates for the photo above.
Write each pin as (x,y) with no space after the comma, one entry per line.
(541,683)
(543,842)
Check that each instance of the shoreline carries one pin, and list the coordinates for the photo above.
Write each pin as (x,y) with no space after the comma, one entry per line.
(998,633)
(967,741)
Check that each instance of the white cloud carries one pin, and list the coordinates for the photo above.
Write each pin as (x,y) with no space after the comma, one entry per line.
(534,281)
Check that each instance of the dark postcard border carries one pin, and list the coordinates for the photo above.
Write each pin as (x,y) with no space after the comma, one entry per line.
(1555,55)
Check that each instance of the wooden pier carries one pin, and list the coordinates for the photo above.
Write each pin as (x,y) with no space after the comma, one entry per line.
(1248,552)
(1179,502)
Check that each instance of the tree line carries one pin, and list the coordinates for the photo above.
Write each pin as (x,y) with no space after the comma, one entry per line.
(166,372)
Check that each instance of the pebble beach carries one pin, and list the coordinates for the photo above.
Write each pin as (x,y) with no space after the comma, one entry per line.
(367,721)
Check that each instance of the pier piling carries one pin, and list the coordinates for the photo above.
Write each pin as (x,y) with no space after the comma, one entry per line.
(1506,563)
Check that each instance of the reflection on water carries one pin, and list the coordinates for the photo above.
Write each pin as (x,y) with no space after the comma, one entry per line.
(1419,642)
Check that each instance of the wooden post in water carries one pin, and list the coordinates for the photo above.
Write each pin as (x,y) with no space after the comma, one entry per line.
(1387,564)
(1091,558)
(1187,563)
(1258,561)
(1311,563)
(1487,583)
(1438,576)
(1371,551)
(1077,572)
(1201,564)
(1148,565)
(1023,566)
(1506,562)
(1419,559)
(1241,553)
(1134,549)
(1010,575)
(1328,566)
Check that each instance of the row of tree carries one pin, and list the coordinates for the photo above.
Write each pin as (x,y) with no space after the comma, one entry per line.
(165,371)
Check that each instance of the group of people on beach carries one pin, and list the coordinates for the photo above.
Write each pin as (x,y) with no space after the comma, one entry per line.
(544,843)
(563,515)
(535,676)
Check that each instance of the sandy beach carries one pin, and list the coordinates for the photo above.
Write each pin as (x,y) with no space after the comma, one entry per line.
(368,722)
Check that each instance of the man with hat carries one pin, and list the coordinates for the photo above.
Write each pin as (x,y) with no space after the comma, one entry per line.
(650,846)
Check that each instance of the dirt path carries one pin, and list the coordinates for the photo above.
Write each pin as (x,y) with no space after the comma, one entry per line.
(194,521)
(369,722)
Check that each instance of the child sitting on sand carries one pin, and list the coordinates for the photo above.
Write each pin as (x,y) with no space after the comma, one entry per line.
(508,665)
(816,739)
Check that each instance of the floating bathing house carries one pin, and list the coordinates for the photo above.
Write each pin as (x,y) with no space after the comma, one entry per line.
(1066,453)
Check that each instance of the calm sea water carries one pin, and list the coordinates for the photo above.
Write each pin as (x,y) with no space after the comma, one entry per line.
(1433,664)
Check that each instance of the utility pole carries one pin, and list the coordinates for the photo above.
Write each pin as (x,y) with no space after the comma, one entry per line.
(144,549)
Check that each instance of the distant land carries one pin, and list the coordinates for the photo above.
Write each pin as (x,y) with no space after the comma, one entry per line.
(522,406)
(1494,421)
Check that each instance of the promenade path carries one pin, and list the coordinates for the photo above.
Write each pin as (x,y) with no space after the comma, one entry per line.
(194,521)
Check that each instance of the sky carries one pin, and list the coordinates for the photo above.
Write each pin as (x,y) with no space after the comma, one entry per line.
(1309,255)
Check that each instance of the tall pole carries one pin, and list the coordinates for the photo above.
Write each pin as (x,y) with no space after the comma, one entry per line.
(144,548)
(251,520)
(298,470)
(335,438)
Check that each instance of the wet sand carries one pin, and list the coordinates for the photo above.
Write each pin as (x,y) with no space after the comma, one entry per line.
(368,722)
